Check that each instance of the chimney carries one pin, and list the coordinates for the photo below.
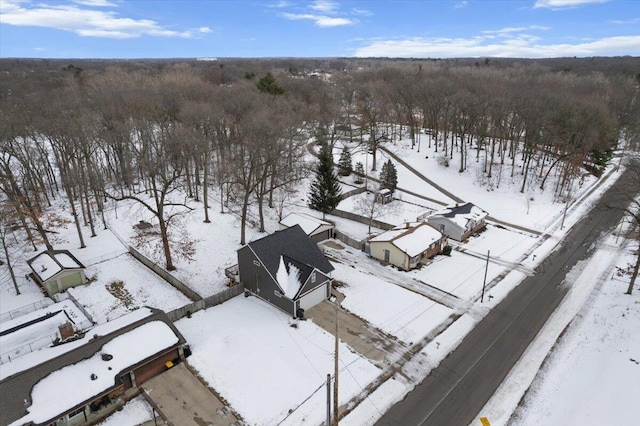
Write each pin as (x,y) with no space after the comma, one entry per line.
(44,268)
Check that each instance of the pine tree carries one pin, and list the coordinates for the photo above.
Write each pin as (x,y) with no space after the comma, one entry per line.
(269,84)
(359,173)
(389,176)
(325,192)
(345,164)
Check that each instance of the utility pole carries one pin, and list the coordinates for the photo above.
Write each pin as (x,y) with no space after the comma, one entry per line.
(328,399)
(335,371)
(484,283)
(564,214)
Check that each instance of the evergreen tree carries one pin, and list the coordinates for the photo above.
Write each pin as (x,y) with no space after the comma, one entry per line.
(359,173)
(269,84)
(389,176)
(325,190)
(345,163)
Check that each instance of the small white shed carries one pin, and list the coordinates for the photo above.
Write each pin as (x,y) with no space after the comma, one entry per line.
(317,229)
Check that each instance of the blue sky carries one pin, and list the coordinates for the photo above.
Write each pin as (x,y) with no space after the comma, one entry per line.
(274,28)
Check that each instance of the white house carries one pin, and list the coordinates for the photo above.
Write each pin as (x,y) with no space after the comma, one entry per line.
(407,245)
(459,221)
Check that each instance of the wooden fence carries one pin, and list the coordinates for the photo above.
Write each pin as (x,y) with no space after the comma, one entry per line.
(207,302)
(359,245)
(179,285)
(362,219)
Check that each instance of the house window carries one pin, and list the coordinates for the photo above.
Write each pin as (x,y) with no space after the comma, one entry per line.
(313,277)
(255,262)
(442,228)
(78,412)
(277,293)
(386,255)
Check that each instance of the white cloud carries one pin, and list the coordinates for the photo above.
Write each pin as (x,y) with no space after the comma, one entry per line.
(361,12)
(320,20)
(279,5)
(521,46)
(325,13)
(625,21)
(205,30)
(509,30)
(95,3)
(561,4)
(86,22)
(461,4)
(324,6)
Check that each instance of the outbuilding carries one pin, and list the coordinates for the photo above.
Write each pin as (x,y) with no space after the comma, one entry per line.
(317,229)
(56,270)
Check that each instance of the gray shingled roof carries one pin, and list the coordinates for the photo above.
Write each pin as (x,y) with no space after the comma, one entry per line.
(293,243)
(456,210)
(16,389)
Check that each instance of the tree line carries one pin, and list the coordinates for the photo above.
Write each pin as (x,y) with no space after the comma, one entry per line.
(162,136)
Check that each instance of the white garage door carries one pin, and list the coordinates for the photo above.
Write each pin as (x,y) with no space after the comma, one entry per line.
(314,297)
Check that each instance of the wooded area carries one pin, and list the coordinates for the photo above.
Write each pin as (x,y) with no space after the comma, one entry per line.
(158,131)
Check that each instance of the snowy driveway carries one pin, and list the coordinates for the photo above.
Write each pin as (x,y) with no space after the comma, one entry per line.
(180,397)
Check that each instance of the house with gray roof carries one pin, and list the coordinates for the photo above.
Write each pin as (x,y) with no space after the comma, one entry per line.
(459,221)
(82,381)
(287,269)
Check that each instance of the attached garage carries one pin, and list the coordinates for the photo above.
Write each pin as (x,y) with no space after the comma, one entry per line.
(313,297)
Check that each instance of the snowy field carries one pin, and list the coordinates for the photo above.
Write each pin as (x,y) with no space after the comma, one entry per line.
(399,312)
(123,284)
(266,364)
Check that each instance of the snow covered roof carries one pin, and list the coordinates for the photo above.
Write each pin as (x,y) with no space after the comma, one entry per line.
(50,262)
(293,243)
(309,224)
(71,372)
(411,238)
(292,275)
(462,213)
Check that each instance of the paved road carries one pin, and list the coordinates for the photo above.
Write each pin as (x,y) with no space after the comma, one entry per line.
(455,392)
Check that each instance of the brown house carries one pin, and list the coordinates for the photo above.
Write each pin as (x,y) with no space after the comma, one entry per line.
(95,374)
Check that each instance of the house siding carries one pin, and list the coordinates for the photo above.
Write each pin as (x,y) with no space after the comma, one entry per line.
(71,280)
(324,235)
(321,279)
(258,281)
(451,229)
(155,367)
(396,257)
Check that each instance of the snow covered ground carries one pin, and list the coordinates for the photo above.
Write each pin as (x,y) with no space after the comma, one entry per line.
(263,367)
(123,284)
(270,368)
(399,312)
